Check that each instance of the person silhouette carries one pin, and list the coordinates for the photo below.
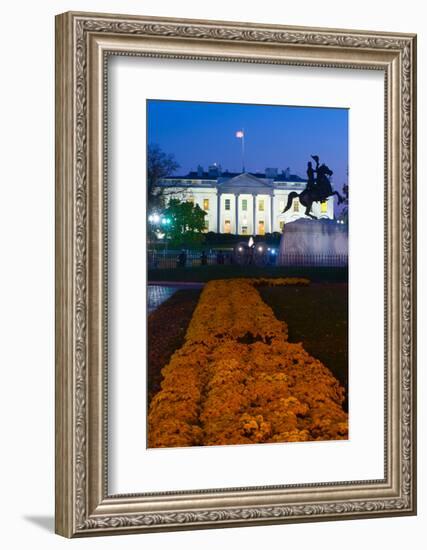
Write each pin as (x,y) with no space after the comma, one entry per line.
(182,259)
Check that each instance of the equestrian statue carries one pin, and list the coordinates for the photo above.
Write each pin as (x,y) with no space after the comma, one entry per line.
(318,188)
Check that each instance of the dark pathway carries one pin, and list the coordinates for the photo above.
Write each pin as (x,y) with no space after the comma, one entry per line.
(167,325)
(157,293)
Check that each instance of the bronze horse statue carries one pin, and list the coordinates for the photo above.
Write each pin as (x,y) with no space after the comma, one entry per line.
(316,190)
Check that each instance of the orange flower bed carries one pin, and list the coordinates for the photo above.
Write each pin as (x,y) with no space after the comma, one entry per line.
(238,380)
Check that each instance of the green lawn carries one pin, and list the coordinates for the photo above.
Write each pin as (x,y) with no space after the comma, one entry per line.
(317,316)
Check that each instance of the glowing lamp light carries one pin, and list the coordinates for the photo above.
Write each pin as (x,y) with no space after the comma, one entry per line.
(240,249)
(260,248)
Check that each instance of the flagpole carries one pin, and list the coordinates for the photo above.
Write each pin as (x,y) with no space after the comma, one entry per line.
(240,134)
(243,150)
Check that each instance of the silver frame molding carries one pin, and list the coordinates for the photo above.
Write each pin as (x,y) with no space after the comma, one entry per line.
(83,43)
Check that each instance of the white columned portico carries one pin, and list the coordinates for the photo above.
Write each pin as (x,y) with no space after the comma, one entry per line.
(254,214)
(236,201)
(271,213)
(218,212)
(236,196)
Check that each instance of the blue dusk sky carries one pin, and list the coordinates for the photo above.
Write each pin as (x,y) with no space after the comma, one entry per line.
(275,136)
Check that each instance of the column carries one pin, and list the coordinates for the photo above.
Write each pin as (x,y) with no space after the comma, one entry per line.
(271,213)
(218,212)
(253,214)
(236,200)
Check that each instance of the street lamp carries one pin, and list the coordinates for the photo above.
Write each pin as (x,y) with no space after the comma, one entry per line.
(157,221)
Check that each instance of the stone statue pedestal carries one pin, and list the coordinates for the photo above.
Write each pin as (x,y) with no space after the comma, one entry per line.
(314,242)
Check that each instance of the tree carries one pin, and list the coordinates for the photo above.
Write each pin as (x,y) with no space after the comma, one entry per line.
(159,165)
(187,222)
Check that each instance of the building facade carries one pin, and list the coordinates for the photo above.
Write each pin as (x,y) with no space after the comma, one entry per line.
(244,204)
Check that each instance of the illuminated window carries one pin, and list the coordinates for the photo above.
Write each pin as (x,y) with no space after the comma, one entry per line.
(206,204)
(206,225)
(244,204)
(261,205)
(244,229)
(261,228)
(227,204)
(281,225)
(323,207)
(296,205)
(227,226)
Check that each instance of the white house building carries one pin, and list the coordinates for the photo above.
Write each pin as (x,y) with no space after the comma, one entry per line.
(244,204)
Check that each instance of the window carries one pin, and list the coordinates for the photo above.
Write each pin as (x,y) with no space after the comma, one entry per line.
(206,224)
(244,204)
(227,204)
(281,225)
(244,229)
(261,228)
(206,204)
(323,207)
(261,205)
(296,205)
(227,226)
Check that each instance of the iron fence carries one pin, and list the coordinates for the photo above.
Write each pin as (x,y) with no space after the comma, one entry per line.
(171,259)
(174,259)
(312,260)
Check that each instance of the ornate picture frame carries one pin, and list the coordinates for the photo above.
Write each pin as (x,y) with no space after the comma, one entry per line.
(84,42)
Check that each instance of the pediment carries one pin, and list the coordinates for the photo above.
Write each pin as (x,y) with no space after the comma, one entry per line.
(246,181)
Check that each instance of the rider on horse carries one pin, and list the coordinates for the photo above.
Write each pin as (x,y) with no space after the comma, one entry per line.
(316,190)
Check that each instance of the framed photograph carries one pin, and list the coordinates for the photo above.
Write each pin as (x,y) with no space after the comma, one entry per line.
(235,274)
